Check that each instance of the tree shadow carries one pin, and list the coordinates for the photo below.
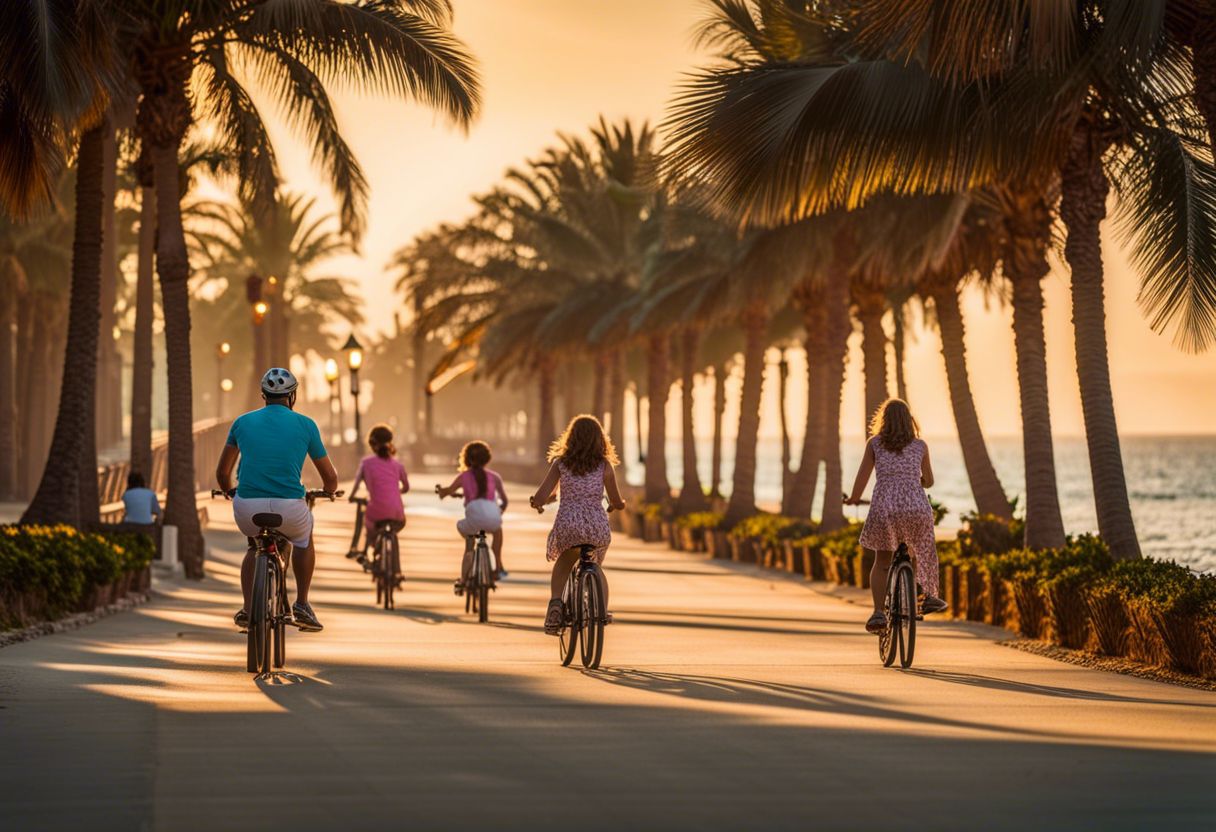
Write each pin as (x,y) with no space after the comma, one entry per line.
(995,683)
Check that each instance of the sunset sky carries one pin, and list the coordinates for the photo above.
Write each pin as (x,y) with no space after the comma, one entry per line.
(557,65)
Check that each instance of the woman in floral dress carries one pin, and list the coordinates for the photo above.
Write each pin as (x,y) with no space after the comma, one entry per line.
(899,508)
(582,470)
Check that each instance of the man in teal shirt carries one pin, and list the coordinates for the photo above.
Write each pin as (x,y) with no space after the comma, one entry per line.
(271,443)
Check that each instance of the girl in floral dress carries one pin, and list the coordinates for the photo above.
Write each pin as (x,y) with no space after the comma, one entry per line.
(899,508)
(582,469)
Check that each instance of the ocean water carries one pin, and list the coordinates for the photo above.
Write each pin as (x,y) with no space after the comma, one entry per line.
(1171,481)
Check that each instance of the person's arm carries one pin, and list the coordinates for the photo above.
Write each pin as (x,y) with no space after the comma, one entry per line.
(547,487)
(863,475)
(405,479)
(354,489)
(320,458)
(926,469)
(156,512)
(329,476)
(614,492)
(223,470)
(448,490)
(501,490)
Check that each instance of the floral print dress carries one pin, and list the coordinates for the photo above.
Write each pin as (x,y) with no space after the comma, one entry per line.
(581,517)
(900,510)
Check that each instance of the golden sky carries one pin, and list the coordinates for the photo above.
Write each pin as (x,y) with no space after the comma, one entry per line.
(556,65)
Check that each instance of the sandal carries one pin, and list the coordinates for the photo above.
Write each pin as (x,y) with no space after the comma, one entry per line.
(876,623)
(554,618)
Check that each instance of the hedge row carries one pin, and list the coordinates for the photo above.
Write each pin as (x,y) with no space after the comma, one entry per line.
(50,571)
(1150,611)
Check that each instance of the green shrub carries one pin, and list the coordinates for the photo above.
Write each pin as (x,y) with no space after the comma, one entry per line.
(948,552)
(48,571)
(770,528)
(652,511)
(986,534)
(704,520)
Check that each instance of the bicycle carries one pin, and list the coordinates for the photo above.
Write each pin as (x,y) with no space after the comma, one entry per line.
(476,588)
(584,611)
(385,564)
(481,579)
(901,609)
(269,608)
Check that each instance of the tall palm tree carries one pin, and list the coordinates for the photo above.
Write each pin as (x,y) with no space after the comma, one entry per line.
(404,49)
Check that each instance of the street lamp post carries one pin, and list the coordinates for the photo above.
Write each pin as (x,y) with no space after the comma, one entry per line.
(335,401)
(354,360)
(221,352)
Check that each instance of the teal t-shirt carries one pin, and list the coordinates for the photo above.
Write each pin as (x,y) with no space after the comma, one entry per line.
(273,442)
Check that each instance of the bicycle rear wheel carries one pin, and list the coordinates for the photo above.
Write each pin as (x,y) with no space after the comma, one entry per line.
(887,638)
(258,650)
(593,621)
(387,568)
(567,637)
(906,590)
(481,568)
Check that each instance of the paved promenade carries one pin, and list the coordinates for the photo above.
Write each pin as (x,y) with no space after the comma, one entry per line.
(729,699)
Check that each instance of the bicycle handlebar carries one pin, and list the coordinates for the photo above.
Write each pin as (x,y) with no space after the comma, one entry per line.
(317,493)
(227,495)
(845,497)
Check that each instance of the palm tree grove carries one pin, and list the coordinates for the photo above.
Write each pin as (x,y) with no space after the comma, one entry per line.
(354,353)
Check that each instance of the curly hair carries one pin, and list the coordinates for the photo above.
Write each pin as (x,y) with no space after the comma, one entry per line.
(475,456)
(583,446)
(894,425)
(380,440)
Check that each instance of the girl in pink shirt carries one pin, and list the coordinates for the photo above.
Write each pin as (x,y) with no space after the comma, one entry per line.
(386,481)
(485,500)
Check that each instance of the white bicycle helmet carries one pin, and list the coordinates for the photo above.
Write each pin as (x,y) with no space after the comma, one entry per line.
(279,382)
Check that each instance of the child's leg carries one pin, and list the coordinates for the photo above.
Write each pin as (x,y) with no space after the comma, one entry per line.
(878,578)
(603,579)
(561,572)
(496,546)
(466,563)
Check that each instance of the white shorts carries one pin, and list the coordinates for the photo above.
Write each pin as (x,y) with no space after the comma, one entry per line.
(480,516)
(297,519)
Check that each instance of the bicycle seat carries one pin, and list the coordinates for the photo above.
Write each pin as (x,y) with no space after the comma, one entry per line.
(267,520)
(585,549)
(390,525)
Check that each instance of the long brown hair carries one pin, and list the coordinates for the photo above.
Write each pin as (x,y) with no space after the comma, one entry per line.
(475,456)
(380,440)
(894,425)
(583,446)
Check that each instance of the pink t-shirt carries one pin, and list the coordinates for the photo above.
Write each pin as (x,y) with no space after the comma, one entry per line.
(383,476)
(468,484)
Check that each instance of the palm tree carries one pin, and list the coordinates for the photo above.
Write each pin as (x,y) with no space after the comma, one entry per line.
(292,49)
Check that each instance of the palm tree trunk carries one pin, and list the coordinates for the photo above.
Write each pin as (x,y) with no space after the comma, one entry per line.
(715,465)
(109,361)
(1084,188)
(798,501)
(58,499)
(900,342)
(174,269)
(658,385)
(870,308)
(141,364)
(692,494)
(839,327)
(986,487)
(743,485)
(599,385)
(422,428)
(29,390)
(547,429)
(616,387)
(1044,524)
(9,457)
(637,422)
(783,378)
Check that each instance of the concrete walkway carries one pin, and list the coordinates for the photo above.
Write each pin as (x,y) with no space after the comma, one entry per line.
(729,699)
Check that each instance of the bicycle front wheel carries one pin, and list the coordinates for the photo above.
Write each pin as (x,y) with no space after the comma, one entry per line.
(481,567)
(906,590)
(258,650)
(592,638)
(282,607)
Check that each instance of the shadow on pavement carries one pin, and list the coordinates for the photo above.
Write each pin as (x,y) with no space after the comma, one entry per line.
(1041,690)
